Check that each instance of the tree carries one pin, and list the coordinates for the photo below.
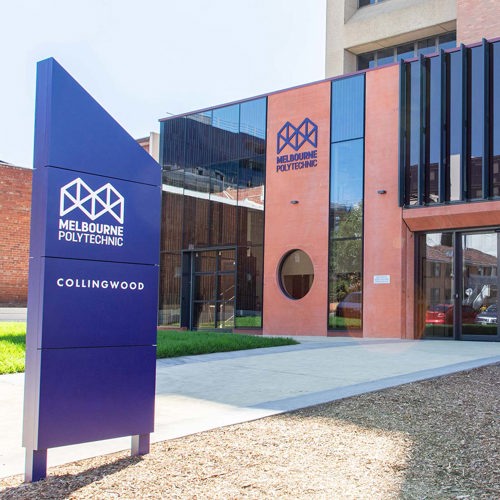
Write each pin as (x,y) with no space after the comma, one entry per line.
(346,252)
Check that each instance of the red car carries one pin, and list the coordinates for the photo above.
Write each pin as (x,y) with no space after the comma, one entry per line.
(442,314)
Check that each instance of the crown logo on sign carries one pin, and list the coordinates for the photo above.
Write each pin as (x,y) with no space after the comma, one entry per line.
(105,200)
(296,137)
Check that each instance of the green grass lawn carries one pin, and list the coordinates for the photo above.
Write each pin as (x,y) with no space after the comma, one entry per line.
(12,347)
(248,321)
(171,343)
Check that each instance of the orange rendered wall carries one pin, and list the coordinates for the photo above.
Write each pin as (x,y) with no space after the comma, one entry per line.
(388,244)
(297,226)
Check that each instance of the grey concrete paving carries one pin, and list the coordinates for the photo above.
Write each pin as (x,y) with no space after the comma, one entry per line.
(13,313)
(198,393)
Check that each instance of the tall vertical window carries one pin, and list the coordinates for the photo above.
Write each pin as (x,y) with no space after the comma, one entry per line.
(433,146)
(454,107)
(346,204)
(476,120)
(450,142)
(414,127)
(213,198)
(495,149)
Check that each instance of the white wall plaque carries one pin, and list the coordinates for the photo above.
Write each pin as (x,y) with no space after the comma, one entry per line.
(382,279)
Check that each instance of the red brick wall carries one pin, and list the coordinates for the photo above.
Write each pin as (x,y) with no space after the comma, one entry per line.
(15,207)
(477,19)
(386,239)
(302,226)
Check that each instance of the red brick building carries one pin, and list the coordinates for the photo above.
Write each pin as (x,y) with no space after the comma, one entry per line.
(15,206)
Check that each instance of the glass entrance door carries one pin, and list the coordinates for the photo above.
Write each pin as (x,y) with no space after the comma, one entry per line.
(458,296)
(435,318)
(479,285)
(213,278)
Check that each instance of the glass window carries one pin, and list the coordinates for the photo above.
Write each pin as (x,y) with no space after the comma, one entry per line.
(174,148)
(479,283)
(250,226)
(172,222)
(434,151)
(202,227)
(437,302)
(227,118)
(251,201)
(253,127)
(348,106)
(346,190)
(426,47)
(249,283)
(476,132)
(224,181)
(385,56)
(459,297)
(251,175)
(198,139)
(225,136)
(366,61)
(406,51)
(217,158)
(296,274)
(457,125)
(173,151)
(496,120)
(414,130)
(455,129)
(345,284)
(447,41)
(170,289)
(222,220)
(346,205)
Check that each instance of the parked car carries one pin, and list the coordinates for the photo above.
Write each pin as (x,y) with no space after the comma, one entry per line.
(350,307)
(489,316)
(442,314)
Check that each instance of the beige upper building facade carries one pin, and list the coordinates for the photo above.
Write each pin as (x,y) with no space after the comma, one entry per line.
(361,34)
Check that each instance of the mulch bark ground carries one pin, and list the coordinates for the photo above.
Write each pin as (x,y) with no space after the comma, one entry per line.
(433,439)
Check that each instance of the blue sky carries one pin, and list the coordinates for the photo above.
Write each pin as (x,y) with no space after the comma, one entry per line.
(144,60)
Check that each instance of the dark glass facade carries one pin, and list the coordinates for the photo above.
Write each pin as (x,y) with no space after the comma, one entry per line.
(346,203)
(449,138)
(213,213)
(457,296)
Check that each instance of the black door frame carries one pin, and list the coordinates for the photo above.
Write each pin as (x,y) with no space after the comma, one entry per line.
(188,284)
(457,284)
(457,329)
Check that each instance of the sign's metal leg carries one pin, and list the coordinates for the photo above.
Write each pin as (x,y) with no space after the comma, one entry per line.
(36,465)
(140,444)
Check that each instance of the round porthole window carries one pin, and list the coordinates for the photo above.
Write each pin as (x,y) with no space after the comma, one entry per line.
(296,274)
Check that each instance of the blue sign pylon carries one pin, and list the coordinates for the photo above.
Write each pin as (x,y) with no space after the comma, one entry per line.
(93,277)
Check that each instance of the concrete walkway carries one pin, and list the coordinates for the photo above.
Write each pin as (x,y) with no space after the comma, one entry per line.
(13,313)
(198,393)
